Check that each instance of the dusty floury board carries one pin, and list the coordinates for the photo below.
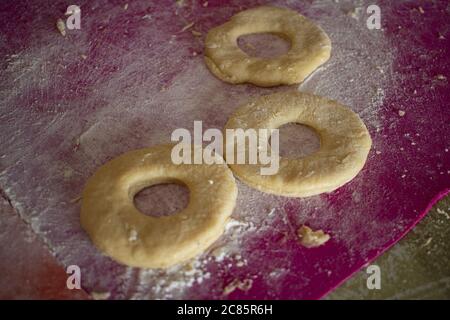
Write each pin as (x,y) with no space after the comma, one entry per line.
(132,75)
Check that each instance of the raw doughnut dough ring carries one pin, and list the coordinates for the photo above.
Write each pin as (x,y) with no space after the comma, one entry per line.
(310,47)
(344,143)
(116,227)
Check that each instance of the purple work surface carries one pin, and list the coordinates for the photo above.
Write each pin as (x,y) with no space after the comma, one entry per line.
(133,73)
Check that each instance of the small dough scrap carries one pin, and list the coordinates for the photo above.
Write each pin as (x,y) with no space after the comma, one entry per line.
(310,48)
(61,26)
(118,229)
(100,295)
(311,239)
(243,285)
(344,143)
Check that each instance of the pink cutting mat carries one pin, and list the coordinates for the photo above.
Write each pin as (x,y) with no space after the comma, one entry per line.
(134,73)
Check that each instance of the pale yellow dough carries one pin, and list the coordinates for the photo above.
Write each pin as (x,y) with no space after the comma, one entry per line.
(310,238)
(310,48)
(119,230)
(344,143)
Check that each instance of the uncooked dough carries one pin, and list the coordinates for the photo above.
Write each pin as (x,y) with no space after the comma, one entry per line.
(122,232)
(312,239)
(344,143)
(310,48)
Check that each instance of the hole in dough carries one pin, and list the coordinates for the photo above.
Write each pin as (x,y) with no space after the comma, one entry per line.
(264,45)
(162,199)
(298,140)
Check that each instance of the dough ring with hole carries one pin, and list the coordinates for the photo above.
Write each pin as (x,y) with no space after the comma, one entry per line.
(344,143)
(118,229)
(310,48)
